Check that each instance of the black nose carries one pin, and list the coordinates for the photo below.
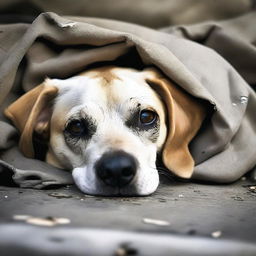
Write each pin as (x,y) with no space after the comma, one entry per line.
(116,169)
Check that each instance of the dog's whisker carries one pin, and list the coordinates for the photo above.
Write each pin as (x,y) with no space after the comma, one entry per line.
(162,169)
(164,172)
(159,168)
(154,168)
(167,175)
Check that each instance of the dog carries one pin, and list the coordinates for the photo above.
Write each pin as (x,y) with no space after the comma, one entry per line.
(107,125)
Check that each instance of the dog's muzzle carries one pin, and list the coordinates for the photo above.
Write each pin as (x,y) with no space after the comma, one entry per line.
(116,169)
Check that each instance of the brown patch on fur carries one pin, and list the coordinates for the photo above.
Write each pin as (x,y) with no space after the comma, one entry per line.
(105,73)
(29,113)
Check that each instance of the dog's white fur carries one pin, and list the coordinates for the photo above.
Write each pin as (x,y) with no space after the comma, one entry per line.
(109,103)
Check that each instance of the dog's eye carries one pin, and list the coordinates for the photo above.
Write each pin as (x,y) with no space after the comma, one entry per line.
(148,117)
(76,128)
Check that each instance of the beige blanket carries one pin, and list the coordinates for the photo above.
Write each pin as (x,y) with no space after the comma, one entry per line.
(54,46)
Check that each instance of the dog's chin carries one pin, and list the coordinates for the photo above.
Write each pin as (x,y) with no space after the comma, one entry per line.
(89,184)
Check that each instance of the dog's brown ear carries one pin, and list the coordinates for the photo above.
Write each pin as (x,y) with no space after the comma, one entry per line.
(31,113)
(185,116)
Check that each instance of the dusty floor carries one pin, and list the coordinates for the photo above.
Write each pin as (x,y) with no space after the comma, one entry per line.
(197,220)
(188,208)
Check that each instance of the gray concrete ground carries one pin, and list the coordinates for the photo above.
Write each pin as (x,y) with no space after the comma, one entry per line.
(190,210)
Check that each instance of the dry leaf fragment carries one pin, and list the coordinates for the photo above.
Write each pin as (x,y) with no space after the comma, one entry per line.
(216,234)
(48,221)
(156,222)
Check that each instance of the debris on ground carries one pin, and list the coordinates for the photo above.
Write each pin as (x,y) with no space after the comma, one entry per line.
(156,222)
(216,234)
(21,217)
(40,221)
(125,250)
(60,195)
(252,189)
(237,198)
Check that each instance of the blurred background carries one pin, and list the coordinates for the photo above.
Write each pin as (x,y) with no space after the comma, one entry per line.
(152,13)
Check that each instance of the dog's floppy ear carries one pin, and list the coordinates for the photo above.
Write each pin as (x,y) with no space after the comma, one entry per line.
(31,113)
(184,118)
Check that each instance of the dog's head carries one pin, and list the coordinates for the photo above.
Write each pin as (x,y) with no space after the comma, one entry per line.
(107,126)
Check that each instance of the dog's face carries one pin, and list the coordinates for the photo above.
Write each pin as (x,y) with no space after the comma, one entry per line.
(107,125)
(108,131)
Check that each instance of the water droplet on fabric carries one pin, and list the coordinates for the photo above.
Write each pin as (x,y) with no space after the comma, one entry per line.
(243,99)
(68,25)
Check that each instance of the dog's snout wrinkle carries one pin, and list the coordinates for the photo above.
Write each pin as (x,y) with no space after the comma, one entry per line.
(116,169)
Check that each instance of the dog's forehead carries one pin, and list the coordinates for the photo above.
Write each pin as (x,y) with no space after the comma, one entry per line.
(116,85)
(105,86)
